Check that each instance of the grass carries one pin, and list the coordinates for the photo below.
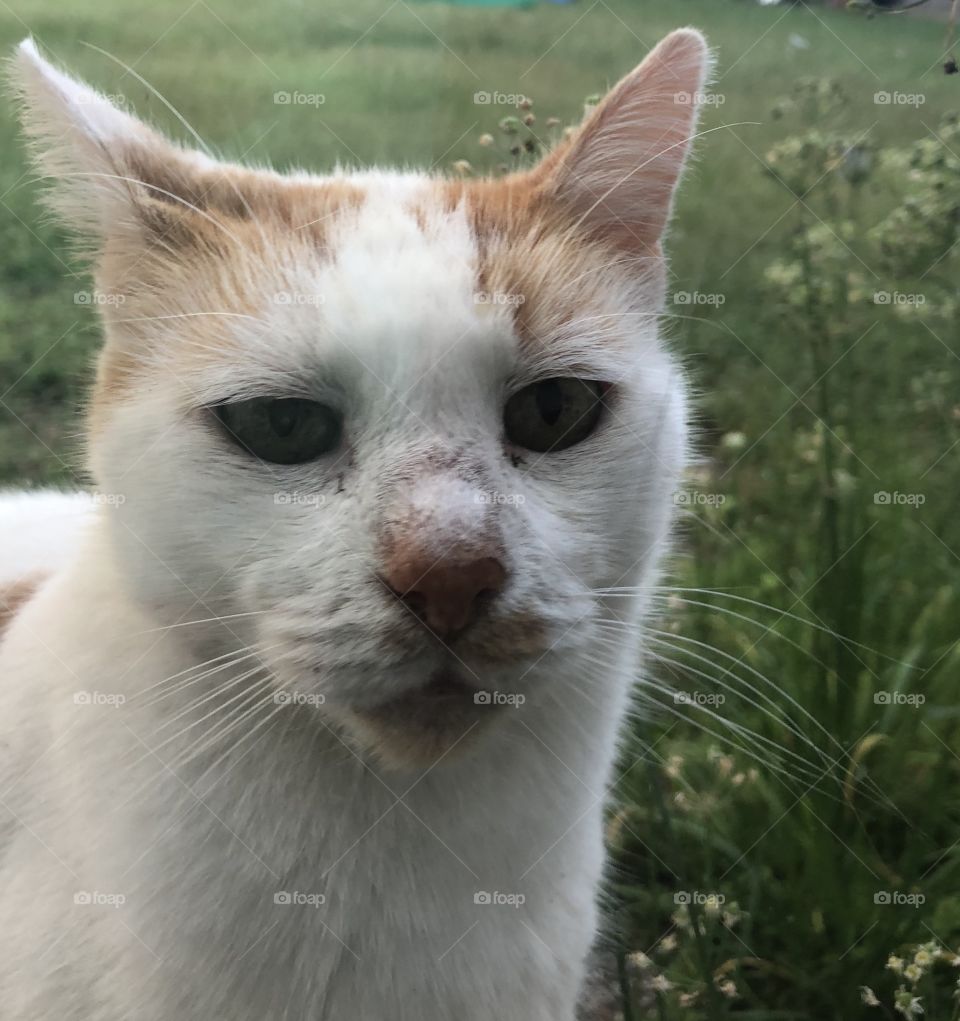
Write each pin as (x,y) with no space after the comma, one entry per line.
(810,799)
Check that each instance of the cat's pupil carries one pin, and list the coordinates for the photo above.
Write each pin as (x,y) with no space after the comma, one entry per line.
(283,417)
(550,401)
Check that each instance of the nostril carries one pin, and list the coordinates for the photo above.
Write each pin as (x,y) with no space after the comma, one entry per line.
(486,596)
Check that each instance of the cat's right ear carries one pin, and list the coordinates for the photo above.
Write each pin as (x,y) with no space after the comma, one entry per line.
(617,175)
(112,175)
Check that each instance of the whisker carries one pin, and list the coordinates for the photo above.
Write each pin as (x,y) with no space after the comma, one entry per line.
(815,625)
(800,762)
(205,620)
(245,737)
(758,748)
(784,775)
(219,690)
(190,669)
(258,698)
(223,688)
(189,682)
(188,753)
(668,638)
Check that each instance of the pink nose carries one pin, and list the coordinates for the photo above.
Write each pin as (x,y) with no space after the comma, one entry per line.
(444,592)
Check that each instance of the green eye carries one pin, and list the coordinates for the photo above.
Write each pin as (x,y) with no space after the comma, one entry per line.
(554,414)
(284,430)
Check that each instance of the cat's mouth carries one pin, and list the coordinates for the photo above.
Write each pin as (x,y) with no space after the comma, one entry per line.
(446,683)
(429,722)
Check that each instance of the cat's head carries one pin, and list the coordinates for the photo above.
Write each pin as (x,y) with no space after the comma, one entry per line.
(398,431)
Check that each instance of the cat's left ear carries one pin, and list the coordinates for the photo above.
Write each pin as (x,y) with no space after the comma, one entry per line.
(619,172)
(112,175)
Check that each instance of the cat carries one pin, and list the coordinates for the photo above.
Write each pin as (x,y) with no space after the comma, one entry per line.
(309,709)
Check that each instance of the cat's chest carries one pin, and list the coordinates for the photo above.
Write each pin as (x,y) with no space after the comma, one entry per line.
(357,875)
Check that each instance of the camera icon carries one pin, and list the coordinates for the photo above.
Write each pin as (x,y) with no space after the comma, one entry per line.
(83,298)
(682,898)
(881,298)
(482,98)
(282,98)
(82,698)
(882,698)
(683,98)
(482,698)
(882,98)
(882,897)
(282,897)
(81,897)
(882,498)
(681,298)
(482,897)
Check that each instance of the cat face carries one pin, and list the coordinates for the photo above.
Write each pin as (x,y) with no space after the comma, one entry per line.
(396,432)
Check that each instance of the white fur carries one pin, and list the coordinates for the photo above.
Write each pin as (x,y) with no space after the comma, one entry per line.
(118,779)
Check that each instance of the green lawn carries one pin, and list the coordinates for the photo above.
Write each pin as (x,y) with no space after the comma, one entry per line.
(808,409)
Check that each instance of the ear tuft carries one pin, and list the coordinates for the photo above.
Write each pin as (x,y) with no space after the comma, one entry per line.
(619,173)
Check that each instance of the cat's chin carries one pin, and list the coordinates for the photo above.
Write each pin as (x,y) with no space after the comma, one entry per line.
(438,720)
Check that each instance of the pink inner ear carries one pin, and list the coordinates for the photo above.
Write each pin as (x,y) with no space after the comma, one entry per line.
(619,174)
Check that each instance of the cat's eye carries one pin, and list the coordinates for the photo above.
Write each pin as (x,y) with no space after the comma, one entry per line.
(283,430)
(553,414)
